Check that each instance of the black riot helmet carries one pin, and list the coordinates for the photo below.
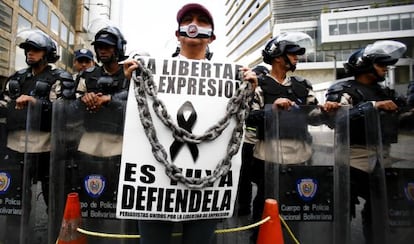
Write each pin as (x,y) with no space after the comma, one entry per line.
(380,52)
(286,43)
(35,38)
(112,36)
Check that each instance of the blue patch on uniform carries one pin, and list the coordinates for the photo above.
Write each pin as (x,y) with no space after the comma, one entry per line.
(5,180)
(409,191)
(307,188)
(94,185)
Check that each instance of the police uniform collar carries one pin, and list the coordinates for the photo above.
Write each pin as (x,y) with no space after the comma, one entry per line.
(30,71)
(113,73)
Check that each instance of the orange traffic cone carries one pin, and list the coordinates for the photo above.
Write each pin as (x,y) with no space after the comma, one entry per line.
(271,231)
(71,221)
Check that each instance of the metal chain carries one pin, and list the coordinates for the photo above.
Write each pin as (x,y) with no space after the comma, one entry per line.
(237,106)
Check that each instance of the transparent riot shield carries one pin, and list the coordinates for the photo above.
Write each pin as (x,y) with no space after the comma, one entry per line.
(35,190)
(86,157)
(307,172)
(367,168)
(67,129)
(399,174)
(11,182)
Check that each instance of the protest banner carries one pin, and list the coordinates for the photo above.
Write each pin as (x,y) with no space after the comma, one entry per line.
(195,94)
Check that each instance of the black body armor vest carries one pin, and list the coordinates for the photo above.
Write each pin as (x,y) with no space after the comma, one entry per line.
(39,86)
(361,94)
(293,122)
(109,119)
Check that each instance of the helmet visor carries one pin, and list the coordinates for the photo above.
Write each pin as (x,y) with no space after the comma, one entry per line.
(302,40)
(385,51)
(35,38)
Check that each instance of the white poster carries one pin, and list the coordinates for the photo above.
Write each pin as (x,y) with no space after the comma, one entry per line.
(195,95)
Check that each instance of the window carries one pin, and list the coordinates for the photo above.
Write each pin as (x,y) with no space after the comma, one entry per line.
(71,39)
(384,24)
(362,25)
(373,24)
(65,57)
(333,28)
(54,23)
(406,22)
(42,12)
(23,24)
(64,33)
(6,14)
(85,17)
(27,5)
(395,22)
(342,26)
(4,55)
(352,26)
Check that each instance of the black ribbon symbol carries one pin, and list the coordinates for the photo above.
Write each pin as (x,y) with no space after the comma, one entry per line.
(186,124)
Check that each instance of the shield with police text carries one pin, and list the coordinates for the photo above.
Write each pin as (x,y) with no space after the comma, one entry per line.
(86,155)
(399,177)
(307,171)
(24,173)
(11,177)
(180,157)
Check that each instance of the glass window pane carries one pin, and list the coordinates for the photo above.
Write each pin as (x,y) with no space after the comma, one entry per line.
(27,5)
(405,22)
(71,39)
(4,55)
(384,23)
(412,20)
(64,58)
(64,33)
(362,25)
(42,12)
(395,22)
(342,26)
(6,17)
(352,26)
(373,24)
(54,23)
(23,24)
(333,29)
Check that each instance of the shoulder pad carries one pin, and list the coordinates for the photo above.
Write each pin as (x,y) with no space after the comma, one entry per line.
(411,87)
(337,87)
(18,74)
(22,71)
(56,71)
(302,80)
(65,76)
(61,74)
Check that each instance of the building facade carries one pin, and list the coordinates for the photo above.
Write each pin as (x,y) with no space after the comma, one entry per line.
(248,27)
(337,27)
(67,22)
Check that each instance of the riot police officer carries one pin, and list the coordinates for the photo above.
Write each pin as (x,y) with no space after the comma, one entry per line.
(101,95)
(369,66)
(284,92)
(83,60)
(36,86)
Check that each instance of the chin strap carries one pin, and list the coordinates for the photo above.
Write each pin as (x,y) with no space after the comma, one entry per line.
(194,31)
(289,64)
